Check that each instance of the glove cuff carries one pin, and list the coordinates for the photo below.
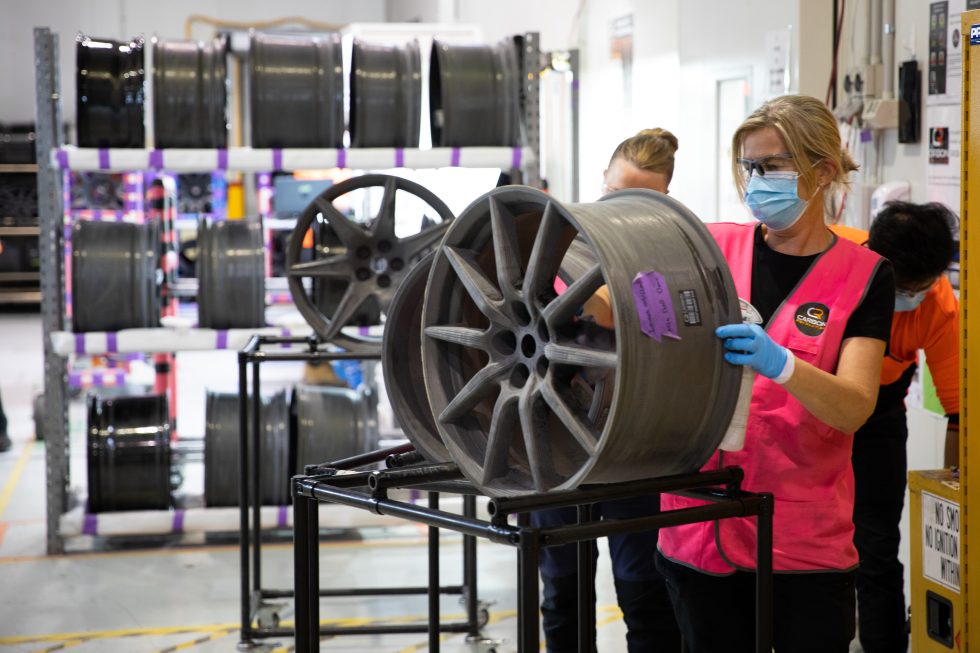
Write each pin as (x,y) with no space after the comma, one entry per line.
(788,368)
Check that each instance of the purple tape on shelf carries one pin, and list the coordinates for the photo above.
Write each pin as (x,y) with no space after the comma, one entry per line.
(341,158)
(454,157)
(222,159)
(517,157)
(654,306)
(276,158)
(364,331)
(285,334)
(111,343)
(61,156)
(399,157)
(103,158)
(79,343)
(90,524)
(156,159)
(222,342)
(282,517)
(178,523)
(575,85)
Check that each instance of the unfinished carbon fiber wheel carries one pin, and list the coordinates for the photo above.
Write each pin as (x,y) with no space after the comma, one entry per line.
(474,94)
(129,461)
(401,358)
(114,275)
(221,447)
(296,91)
(189,93)
(332,423)
(385,94)
(231,274)
(372,258)
(512,372)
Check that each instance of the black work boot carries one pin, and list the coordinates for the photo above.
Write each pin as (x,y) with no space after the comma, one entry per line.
(5,442)
(649,616)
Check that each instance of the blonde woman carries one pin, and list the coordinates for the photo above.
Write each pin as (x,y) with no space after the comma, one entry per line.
(645,160)
(826,304)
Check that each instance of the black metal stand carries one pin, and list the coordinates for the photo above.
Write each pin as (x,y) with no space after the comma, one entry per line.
(720,488)
(255,609)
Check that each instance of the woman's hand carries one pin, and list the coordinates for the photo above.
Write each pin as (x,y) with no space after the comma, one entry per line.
(749,344)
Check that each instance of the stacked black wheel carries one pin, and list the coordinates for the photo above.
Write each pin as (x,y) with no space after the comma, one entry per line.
(221,447)
(129,455)
(474,94)
(190,93)
(109,94)
(385,95)
(297,91)
(231,274)
(115,276)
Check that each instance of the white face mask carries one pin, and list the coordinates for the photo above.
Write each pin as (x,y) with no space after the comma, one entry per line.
(909,301)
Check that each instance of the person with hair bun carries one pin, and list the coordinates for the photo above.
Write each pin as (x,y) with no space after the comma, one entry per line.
(645,160)
(826,306)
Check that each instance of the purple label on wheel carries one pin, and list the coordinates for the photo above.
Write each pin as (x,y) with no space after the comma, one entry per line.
(654,306)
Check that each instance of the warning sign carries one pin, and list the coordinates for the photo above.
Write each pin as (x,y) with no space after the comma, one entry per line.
(941,541)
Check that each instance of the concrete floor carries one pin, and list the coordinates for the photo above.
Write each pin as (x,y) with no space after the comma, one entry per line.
(109,597)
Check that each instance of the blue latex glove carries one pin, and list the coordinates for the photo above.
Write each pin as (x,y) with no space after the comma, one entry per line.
(749,344)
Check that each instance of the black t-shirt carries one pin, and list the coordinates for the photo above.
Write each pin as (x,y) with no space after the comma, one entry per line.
(775,275)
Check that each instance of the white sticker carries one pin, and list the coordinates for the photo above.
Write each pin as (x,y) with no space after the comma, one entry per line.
(941,541)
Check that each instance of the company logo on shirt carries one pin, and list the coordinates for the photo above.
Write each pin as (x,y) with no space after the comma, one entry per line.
(811,319)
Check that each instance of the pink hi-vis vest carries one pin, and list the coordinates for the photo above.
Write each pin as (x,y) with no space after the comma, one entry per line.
(789,452)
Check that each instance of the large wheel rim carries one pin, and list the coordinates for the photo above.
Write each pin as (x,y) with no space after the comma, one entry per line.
(502,384)
(373,260)
(109,97)
(401,358)
(385,95)
(332,423)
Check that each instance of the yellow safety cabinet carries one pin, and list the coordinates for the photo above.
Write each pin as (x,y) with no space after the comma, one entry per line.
(937,595)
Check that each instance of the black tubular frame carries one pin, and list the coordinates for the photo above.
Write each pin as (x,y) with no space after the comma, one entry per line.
(305,516)
(721,488)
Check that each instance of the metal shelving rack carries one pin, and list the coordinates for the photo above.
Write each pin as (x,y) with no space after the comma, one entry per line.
(54,156)
(19,295)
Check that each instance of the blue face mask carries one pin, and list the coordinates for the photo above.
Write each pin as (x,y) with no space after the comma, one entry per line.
(773,199)
(909,302)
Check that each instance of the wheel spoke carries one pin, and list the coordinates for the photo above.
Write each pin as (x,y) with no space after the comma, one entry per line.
(480,289)
(458,335)
(579,430)
(499,438)
(565,305)
(506,249)
(349,232)
(384,222)
(537,446)
(546,254)
(573,355)
(415,246)
(346,308)
(337,267)
(476,389)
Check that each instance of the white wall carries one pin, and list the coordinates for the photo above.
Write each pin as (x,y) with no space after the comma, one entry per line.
(121,19)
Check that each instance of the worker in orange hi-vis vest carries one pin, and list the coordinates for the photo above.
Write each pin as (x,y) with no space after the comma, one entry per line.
(918,239)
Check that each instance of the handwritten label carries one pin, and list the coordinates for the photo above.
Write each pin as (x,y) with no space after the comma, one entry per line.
(654,306)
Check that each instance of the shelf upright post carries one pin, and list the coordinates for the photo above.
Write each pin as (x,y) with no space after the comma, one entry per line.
(575,65)
(531,81)
(52,280)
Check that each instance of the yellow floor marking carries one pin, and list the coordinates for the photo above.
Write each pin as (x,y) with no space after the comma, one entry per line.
(8,487)
(195,642)
(60,647)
